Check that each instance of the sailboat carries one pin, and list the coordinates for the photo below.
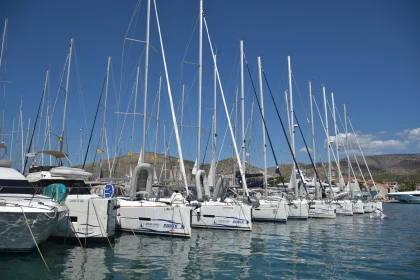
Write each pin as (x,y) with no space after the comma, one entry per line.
(217,211)
(140,212)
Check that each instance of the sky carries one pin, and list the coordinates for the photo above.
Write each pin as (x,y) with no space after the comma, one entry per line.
(366,52)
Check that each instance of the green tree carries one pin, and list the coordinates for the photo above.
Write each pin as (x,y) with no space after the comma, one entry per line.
(276,181)
(407,185)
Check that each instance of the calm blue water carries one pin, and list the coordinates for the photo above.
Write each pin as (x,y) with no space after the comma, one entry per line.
(344,248)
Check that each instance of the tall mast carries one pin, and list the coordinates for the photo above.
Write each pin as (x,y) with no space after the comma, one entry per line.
(11,142)
(292,128)
(174,121)
(134,117)
(166,149)
(104,119)
(317,194)
(157,124)
(66,95)
(180,127)
(235,132)
(2,41)
(348,156)
(146,71)
(21,134)
(42,107)
(262,123)
(213,160)
(200,77)
(241,43)
(328,136)
(336,140)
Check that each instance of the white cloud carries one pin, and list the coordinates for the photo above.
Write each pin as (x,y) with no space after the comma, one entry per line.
(303,150)
(382,132)
(410,134)
(368,143)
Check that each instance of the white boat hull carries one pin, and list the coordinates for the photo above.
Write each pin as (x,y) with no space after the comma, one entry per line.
(148,217)
(358,207)
(322,209)
(368,207)
(90,216)
(344,207)
(298,210)
(222,215)
(15,235)
(270,211)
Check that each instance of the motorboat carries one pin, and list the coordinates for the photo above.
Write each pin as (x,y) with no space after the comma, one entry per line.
(141,213)
(90,215)
(26,218)
(406,197)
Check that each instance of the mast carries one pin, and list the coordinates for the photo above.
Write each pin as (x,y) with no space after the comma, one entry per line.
(235,132)
(4,38)
(11,142)
(317,194)
(200,78)
(134,118)
(66,96)
(146,71)
(42,107)
(328,137)
(292,128)
(180,127)
(166,149)
(347,149)
(263,126)
(213,160)
(104,119)
(244,185)
(157,125)
(336,141)
(241,44)
(21,134)
(174,121)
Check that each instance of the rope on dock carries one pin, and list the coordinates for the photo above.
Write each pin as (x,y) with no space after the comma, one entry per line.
(33,237)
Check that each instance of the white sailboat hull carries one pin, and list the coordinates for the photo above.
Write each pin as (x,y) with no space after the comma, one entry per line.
(90,216)
(155,218)
(322,209)
(270,211)
(222,215)
(298,210)
(368,207)
(344,207)
(358,207)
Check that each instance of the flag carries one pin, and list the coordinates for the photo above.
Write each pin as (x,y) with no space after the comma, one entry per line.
(99,151)
(129,154)
(60,139)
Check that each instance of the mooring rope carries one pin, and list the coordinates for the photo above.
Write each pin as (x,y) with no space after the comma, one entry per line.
(33,237)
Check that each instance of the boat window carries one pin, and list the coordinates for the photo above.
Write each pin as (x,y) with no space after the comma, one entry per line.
(73,186)
(16,186)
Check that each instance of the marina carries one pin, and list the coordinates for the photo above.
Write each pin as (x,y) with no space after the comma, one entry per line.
(140,170)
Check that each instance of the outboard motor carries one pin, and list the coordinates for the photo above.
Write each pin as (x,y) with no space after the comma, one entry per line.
(141,183)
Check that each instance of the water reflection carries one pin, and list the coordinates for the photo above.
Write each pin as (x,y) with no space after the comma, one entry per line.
(343,248)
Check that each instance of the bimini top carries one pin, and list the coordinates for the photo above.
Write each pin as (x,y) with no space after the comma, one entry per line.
(5,163)
(56,154)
